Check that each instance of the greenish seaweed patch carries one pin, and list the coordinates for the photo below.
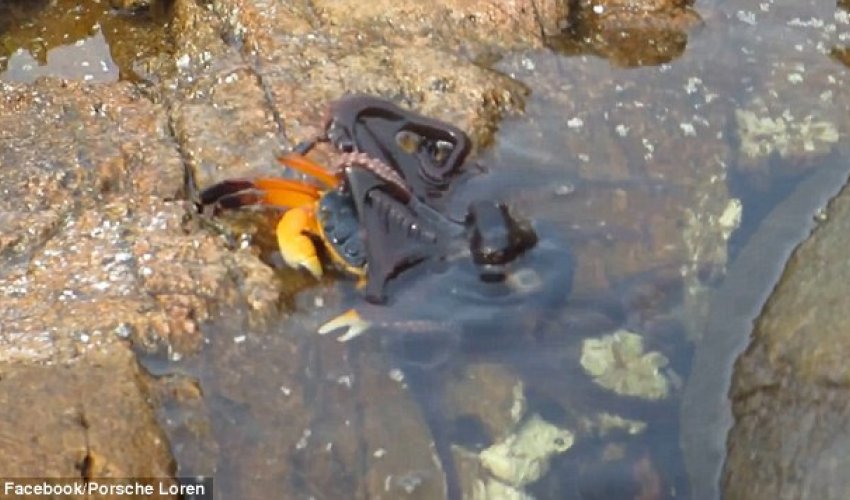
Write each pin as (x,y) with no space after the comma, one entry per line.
(762,134)
(618,362)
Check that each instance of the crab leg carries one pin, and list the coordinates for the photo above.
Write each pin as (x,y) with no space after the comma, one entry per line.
(307,145)
(282,193)
(309,167)
(286,193)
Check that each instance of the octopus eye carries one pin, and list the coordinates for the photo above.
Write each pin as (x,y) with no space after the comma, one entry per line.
(408,141)
(340,137)
(353,248)
(442,151)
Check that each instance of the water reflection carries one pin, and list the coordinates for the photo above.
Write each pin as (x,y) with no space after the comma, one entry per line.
(120,38)
(87,59)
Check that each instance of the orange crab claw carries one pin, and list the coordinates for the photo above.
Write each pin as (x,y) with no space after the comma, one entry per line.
(295,245)
(298,223)
(309,167)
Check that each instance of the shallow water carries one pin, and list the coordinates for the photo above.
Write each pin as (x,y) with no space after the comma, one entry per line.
(770,60)
(672,184)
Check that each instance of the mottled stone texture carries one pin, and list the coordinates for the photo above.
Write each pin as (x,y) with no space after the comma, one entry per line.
(791,389)
(90,418)
(94,249)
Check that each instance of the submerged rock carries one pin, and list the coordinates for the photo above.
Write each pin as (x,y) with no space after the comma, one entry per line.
(524,446)
(606,423)
(627,33)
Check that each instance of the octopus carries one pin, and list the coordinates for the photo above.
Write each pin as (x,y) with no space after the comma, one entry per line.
(435,286)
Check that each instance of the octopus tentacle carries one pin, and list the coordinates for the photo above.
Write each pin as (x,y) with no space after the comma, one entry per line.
(376,166)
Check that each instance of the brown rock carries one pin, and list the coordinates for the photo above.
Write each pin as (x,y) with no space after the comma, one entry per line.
(789,392)
(219,108)
(307,57)
(95,249)
(88,418)
(92,230)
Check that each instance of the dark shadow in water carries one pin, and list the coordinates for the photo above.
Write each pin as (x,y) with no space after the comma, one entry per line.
(626,39)
(627,48)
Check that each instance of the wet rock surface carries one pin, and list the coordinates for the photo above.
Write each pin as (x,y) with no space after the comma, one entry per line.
(90,418)
(95,251)
(92,223)
(790,392)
